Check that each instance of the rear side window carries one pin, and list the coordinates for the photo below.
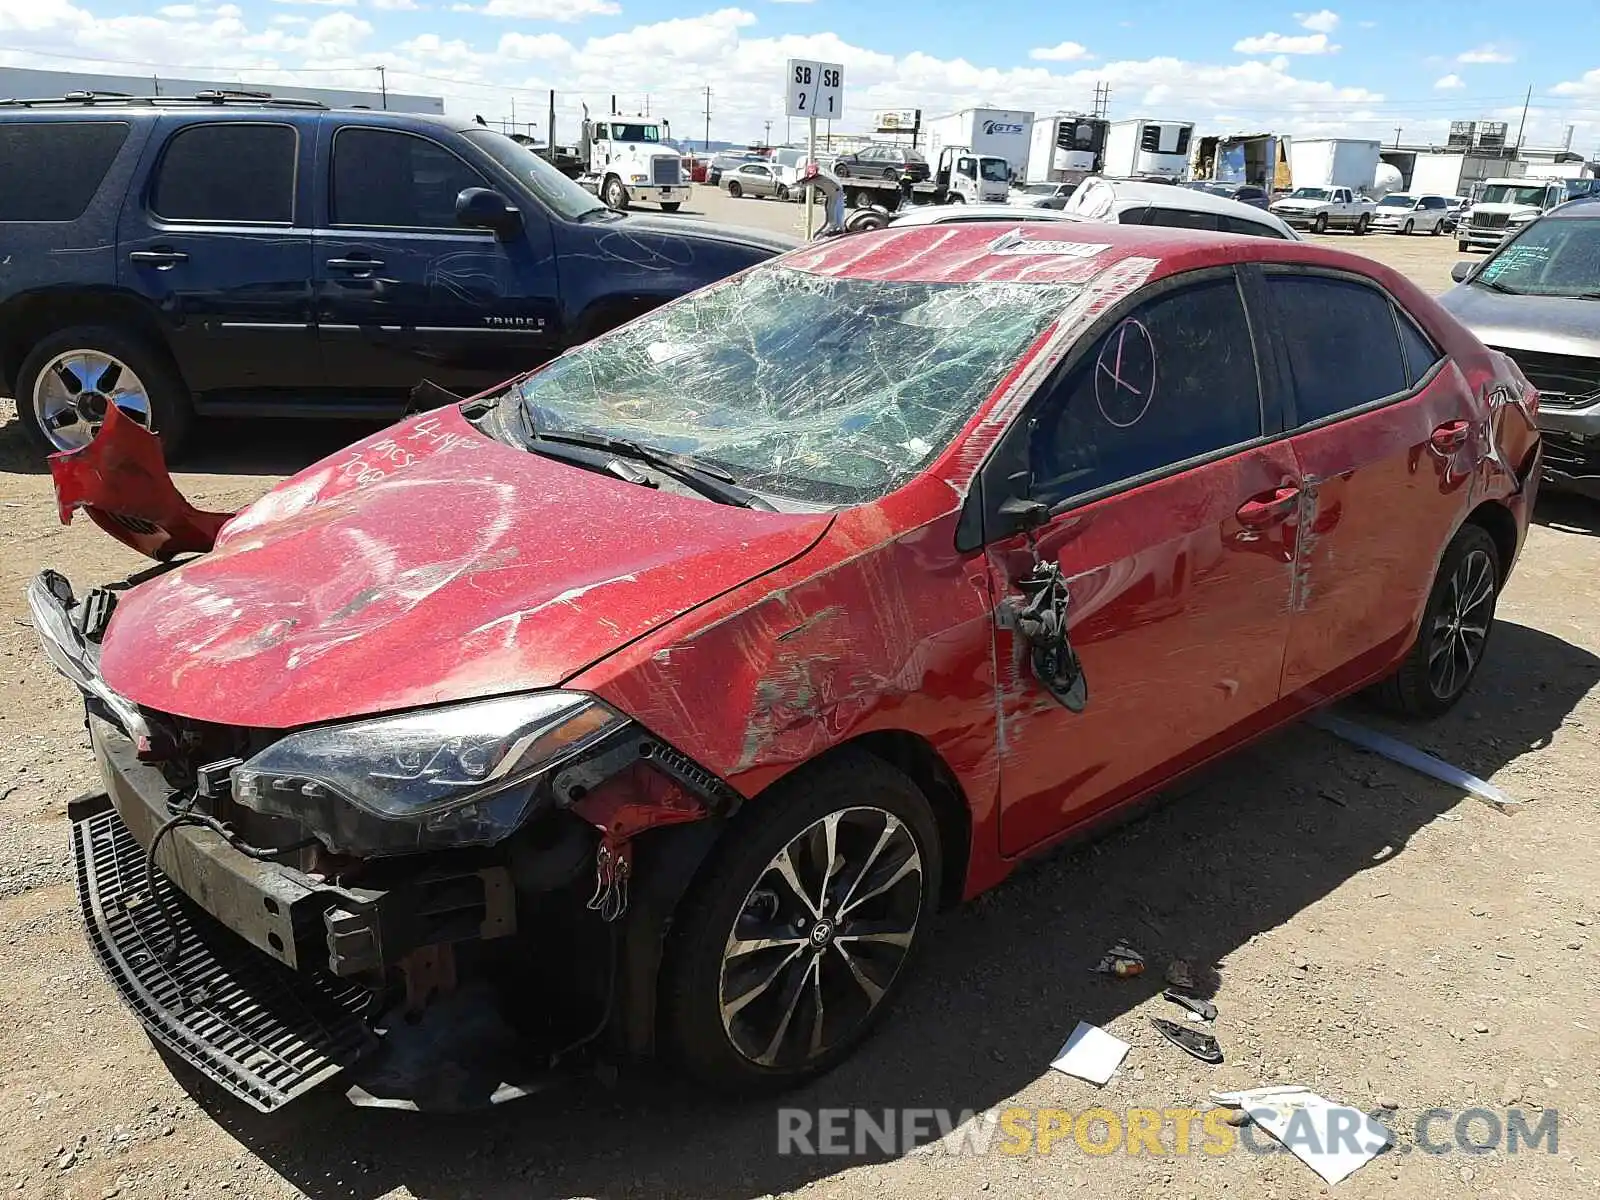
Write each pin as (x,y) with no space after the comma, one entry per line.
(1341,344)
(227,172)
(1231,224)
(385,179)
(1174,380)
(1418,350)
(50,170)
(1133,216)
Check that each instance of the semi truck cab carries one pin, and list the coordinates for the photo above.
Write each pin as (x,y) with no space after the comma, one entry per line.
(629,160)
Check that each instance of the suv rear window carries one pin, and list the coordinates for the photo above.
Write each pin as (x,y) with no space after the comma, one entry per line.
(52,169)
(227,171)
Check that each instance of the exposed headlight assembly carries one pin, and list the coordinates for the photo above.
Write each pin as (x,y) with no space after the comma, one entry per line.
(462,775)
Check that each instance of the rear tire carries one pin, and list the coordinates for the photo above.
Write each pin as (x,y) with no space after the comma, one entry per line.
(734,190)
(170,412)
(1454,634)
(1362,224)
(852,818)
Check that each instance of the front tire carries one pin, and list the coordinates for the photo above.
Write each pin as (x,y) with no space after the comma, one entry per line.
(1455,630)
(1319,223)
(1408,228)
(615,195)
(783,192)
(1463,247)
(69,377)
(796,937)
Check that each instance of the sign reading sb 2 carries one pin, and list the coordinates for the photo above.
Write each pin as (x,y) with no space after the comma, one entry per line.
(816,89)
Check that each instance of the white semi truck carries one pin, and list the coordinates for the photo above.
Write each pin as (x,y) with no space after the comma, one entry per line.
(1066,148)
(628,160)
(987,133)
(1144,149)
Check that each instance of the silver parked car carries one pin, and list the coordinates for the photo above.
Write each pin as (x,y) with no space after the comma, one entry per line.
(1128,202)
(1536,298)
(756,179)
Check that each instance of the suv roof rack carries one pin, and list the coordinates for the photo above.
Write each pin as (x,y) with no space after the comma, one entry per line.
(220,96)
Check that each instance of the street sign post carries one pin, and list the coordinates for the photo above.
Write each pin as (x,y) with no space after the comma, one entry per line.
(814,90)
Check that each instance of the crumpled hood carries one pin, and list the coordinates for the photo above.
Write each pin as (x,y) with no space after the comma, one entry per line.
(426,564)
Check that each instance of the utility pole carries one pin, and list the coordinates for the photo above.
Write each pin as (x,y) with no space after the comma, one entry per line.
(1102,100)
(383,86)
(513,114)
(708,121)
(550,128)
(647,104)
(1523,124)
(767,141)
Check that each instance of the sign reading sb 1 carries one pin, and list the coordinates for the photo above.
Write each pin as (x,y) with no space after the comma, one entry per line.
(816,89)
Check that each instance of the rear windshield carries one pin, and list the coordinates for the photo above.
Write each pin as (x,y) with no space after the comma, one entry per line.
(50,170)
(831,391)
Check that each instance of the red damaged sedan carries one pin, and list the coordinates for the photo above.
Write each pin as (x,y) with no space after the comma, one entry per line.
(652,704)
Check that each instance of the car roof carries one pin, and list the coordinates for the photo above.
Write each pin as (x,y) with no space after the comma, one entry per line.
(1129,193)
(1580,208)
(1074,251)
(951,214)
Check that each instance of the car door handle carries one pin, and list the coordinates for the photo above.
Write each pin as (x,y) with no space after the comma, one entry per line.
(1450,436)
(1269,508)
(354,264)
(158,258)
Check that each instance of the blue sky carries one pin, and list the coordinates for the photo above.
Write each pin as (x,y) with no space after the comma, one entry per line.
(1358,69)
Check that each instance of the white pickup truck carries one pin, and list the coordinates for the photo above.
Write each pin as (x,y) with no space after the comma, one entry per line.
(1320,209)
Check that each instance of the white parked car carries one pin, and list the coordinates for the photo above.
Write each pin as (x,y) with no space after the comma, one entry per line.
(1408,212)
(1130,202)
(1320,209)
(946,214)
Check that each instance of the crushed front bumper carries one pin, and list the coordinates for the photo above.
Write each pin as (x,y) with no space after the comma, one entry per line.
(264,1032)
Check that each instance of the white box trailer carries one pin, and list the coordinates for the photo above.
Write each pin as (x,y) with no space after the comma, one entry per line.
(1143,148)
(1334,163)
(1066,148)
(1002,132)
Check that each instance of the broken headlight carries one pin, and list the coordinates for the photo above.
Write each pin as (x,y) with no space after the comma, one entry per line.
(462,775)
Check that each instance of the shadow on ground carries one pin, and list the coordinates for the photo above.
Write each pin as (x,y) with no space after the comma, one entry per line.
(1568,513)
(1003,980)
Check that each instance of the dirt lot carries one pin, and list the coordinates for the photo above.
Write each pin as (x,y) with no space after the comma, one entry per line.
(1379,938)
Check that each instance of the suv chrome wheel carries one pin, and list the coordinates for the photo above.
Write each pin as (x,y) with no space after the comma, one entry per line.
(820,937)
(1461,627)
(73,391)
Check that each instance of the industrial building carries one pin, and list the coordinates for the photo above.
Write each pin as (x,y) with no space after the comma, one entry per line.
(1479,150)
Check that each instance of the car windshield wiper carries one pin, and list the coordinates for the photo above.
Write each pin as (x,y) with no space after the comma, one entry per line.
(1496,286)
(711,482)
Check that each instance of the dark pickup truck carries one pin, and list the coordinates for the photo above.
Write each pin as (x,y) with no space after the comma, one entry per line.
(240,255)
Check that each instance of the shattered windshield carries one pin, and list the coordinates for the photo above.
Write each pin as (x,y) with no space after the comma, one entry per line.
(833,391)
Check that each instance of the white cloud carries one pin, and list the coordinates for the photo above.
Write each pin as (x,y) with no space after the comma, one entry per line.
(320,3)
(1278,43)
(397,5)
(1061,52)
(789,1)
(1485,54)
(543,10)
(1449,83)
(1322,21)
(287,19)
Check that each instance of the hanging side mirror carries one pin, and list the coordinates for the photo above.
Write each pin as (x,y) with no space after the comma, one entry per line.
(1460,271)
(1021,515)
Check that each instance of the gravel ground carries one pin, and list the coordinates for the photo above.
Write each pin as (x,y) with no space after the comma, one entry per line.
(1378,937)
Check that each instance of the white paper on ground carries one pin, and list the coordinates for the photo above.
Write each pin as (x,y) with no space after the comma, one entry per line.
(1334,1140)
(1090,1053)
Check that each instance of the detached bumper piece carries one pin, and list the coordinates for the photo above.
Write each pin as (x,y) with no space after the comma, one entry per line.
(263,1032)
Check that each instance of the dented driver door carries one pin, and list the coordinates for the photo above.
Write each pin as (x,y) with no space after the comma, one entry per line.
(1172,528)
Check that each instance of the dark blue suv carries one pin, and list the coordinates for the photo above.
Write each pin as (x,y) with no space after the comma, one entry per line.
(234,254)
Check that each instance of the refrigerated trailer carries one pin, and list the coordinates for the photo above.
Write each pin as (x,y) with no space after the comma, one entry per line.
(1259,159)
(1144,149)
(1066,148)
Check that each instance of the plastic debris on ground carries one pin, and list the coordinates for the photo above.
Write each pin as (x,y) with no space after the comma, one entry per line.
(1200,1010)
(1122,961)
(1193,1042)
(1409,756)
(1091,1054)
(1334,1140)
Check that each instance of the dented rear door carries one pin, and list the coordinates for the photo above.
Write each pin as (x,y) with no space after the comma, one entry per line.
(1386,440)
